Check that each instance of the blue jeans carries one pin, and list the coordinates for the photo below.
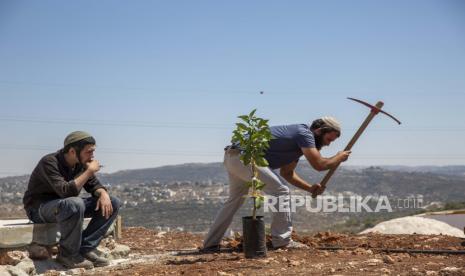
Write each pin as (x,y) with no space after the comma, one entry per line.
(69,214)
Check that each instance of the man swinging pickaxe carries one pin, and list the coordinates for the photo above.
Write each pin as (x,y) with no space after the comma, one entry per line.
(374,111)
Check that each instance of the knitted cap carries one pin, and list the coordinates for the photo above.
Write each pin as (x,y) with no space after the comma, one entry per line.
(75,137)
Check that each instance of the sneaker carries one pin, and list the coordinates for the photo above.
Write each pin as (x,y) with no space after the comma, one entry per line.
(74,262)
(95,258)
(211,249)
(293,245)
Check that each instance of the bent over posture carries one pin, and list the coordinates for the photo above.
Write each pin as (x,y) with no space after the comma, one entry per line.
(288,144)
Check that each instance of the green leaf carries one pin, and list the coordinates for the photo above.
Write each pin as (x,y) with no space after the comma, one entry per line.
(245,118)
(246,158)
(260,185)
(262,162)
(241,126)
(259,202)
(263,123)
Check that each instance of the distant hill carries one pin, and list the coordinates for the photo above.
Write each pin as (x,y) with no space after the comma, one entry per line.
(448,170)
(184,172)
(434,183)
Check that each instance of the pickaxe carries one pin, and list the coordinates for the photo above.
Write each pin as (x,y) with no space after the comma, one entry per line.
(374,111)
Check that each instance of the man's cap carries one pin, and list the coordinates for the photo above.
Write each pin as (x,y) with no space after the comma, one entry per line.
(76,136)
(332,122)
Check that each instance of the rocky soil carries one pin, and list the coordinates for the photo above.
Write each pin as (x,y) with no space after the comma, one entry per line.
(175,253)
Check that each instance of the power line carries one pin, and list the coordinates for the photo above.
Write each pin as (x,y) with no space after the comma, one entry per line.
(257,91)
(117,123)
(131,88)
(146,124)
(220,153)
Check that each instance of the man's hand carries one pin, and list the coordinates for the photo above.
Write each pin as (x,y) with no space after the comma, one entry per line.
(104,204)
(343,155)
(93,166)
(316,189)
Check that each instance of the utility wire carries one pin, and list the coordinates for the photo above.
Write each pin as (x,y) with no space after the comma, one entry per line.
(180,125)
(123,151)
(185,91)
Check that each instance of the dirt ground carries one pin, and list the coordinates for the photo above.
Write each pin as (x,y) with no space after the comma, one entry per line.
(174,253)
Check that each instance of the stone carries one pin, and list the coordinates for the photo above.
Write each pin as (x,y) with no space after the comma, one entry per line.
(16,271)
(388,259)
(294,263)
(362,251)
(27,265)
(451,269)
(160,234)
(108,243)
(120,251)
(4,271)
(385,270)
(52,272)
(431,273)
(11,257)
(76,271)
(434,239)
(373,262)
(38,252)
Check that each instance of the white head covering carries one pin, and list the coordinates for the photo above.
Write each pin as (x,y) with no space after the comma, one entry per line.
(332,122)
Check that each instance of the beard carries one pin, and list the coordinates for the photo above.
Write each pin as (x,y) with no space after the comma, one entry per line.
(318,141)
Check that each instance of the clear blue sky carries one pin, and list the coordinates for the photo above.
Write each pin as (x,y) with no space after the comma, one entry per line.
(162,82)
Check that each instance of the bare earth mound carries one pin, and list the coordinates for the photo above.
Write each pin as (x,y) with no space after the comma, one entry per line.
(415,225)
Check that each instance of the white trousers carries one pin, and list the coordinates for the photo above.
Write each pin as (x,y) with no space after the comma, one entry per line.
(281,225)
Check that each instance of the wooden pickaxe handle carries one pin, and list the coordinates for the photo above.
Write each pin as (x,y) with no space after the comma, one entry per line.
(351,143)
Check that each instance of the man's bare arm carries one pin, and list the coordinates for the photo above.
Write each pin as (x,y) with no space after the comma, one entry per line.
(288,173)
(321,163)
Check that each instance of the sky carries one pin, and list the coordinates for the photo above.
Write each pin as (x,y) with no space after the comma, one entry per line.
(162,82)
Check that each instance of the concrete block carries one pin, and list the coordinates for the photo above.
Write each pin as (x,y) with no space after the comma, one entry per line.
(21,232)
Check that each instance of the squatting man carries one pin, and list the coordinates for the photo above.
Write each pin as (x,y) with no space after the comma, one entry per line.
(53,196)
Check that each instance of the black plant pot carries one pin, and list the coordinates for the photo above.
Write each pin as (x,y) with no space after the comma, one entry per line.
(254,242)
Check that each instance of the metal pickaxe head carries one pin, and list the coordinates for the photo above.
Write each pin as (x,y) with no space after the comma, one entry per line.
(376,108)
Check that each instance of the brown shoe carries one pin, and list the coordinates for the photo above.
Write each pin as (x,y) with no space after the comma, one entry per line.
(96,259)
(74,262)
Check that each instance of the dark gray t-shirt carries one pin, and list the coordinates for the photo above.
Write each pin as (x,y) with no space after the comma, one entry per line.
(285,146)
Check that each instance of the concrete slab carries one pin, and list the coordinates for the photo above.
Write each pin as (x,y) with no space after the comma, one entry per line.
(21,232)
